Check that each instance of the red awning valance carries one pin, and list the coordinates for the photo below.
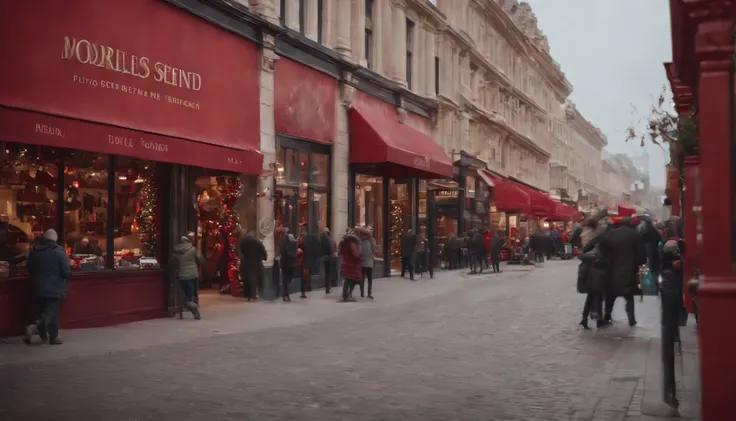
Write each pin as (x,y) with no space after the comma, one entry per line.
(506,196)
(564,212)
(381,145)
(542,205)
(43,129)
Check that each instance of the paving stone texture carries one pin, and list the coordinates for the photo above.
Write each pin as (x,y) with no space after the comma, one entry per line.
(458,347)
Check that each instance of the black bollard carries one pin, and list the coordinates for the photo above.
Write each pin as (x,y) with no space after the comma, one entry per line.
(671,297)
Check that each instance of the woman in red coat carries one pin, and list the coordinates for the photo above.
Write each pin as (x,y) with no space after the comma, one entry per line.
(351,268)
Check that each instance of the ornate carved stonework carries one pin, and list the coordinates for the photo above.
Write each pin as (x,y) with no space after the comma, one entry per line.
(433,118)
(347,89)
(402,115)
(268,60)
(526,21)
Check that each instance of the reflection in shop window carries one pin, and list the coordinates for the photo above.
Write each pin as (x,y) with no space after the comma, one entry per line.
(135,208)
(287,166)
(318,213)
(400,212)
(369,206)
(320,169)
(86,198)
(28,202)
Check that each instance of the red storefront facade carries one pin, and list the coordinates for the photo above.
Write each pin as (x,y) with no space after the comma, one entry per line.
(93,110)
(702,78)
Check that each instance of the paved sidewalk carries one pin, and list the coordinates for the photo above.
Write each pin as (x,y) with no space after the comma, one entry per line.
(459,347)
(236,316)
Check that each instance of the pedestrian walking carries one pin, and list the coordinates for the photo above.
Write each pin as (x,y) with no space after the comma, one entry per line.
(188,263)
(408,252)
(252,255)
(48,267)
(496,243)
(351,265)
(538,245)
(311,259)
(367,251)
(593,272)
(477,252)
(626,249)
(289,250)
(329,255)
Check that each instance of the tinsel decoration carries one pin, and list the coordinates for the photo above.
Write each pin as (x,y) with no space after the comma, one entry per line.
(146,220)
(230,221)
(397,228)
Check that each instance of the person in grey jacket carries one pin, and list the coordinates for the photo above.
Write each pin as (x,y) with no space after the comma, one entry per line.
(187,264)
(367,249)
(48,267)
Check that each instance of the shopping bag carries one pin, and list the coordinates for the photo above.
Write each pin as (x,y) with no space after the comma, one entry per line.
(648,282)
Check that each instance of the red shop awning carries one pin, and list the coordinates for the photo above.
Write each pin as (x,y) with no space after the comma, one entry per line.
(505,195)
(381,145)
(564,212)
(43,129)
(542,205)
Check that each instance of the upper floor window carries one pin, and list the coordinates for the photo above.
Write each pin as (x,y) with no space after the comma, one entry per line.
(437,75)
(409,51)
(282,17)
(369,33)
(320,21)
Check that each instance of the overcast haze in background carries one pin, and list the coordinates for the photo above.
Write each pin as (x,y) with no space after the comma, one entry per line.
(612,52)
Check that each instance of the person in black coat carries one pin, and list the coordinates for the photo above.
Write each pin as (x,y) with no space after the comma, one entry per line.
(624,246)
(409,243)
(289,249)
(496,243)
(538,244)
(592,278)
(329,255)
(252,255)
(477,250)
(48,267)
(311,259)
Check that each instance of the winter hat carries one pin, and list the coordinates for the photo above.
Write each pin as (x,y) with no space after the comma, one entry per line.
(50,234)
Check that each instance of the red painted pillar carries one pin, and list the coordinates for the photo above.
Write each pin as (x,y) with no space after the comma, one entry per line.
(673,190)
(692,199)
(714,47)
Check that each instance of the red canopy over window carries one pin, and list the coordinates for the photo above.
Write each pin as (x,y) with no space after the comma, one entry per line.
(506,195)
(564,212)
(542,205)
(381,145)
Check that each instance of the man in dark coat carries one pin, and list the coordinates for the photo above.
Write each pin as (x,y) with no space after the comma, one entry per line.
(351,269)
(624,248)
(495,249)
(311,260)
(289,251)
(538,245)
(408,252)
(252,255)
(477,250)
(329,255)
(48,267)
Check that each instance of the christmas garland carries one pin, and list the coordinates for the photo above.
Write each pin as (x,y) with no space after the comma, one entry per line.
(230,223)
(147,221)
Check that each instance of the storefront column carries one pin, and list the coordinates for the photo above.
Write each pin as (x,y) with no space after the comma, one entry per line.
(398,43)
(341,208)
(714,47)
(351,198)
(342,46)
(415,205)
(268,148)
(265,8)
(462,174)
(690,219)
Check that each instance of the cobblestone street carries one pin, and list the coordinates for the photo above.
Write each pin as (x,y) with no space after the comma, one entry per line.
(459,347)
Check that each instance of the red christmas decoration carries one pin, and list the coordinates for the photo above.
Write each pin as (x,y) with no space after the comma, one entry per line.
(230,222)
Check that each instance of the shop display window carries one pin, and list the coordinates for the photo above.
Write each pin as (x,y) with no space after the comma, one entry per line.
(369,206)
(400,217)
(86,200)
(134,213)
(95,206)
(302,190)
(28,202)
